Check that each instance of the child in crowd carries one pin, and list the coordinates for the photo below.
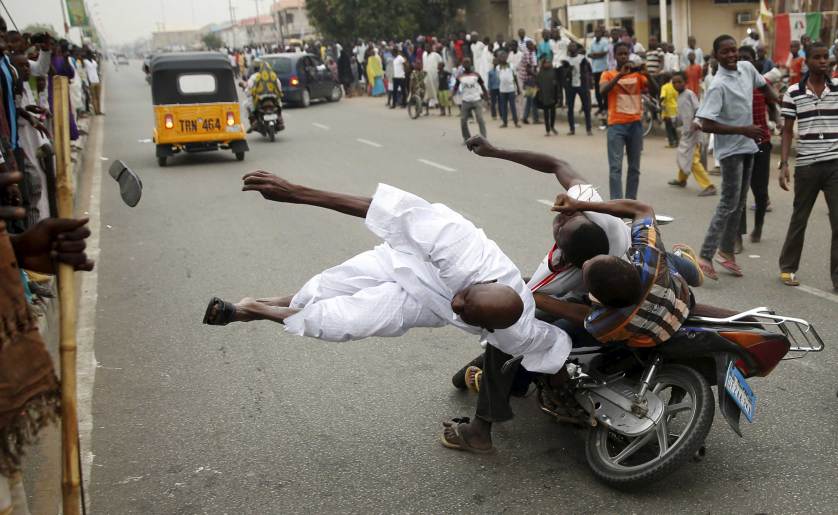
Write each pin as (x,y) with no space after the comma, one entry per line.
(795,64)
(417,84)
(689,153)
(669,111)
(693,73)
(578,83)
(443,89)
(494,89)
(548,95)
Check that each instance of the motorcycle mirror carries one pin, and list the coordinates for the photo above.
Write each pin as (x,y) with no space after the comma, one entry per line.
(130,184)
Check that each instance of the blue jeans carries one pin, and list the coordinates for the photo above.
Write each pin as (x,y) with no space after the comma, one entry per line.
(529,107)
(630,137)
(494,100)
(507,104)
(724,226)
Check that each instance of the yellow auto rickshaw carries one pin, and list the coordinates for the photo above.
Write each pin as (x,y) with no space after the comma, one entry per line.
(196,105)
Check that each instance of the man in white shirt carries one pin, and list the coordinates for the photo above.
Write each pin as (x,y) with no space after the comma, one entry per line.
(91,68)
(558,45)
(399,90)
(434,268)
(691,48)
(557,280)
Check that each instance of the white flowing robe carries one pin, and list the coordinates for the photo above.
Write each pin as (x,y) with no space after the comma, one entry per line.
(430,63)
(478,52)
(429,254)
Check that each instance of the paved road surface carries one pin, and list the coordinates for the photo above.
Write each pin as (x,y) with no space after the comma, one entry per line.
(244,419)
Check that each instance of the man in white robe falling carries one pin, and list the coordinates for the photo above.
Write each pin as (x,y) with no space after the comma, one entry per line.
(434,268)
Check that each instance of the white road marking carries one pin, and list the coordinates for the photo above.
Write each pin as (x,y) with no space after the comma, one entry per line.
(321,126)
(368,142)
(86,327)
(818,293)
(545,202)
(437,165)
(754,256)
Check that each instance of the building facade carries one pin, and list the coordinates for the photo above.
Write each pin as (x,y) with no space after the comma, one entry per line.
(176,40)
(291,21)
(704,19)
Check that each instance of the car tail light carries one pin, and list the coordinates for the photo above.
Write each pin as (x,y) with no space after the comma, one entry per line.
(767,349)
(230,118)
(169,121)
(295,81)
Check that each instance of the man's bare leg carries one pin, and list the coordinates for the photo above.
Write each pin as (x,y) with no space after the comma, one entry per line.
(249,309)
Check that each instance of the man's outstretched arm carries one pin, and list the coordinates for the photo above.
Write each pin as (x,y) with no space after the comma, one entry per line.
(621,208)
(278,189)
(544,163)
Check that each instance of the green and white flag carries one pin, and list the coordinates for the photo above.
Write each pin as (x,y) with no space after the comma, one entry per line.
(805,24)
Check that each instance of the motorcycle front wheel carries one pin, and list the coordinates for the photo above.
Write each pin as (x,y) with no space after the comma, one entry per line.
(271,133)
(626,462)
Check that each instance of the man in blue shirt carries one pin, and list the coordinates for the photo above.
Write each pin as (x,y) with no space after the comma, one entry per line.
(727,112)
(599,63)
(544,51)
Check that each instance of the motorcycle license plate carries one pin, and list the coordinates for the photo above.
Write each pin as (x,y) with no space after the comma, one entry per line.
(739,390)
(270,117)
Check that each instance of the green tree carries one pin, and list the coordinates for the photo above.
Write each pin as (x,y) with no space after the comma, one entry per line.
(212,41)
(347,20)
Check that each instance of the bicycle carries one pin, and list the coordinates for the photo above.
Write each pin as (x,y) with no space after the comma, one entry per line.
(651,113)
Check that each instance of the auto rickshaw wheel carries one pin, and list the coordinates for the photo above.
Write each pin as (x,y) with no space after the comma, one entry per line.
(271,134)
(161,161)
(239,156)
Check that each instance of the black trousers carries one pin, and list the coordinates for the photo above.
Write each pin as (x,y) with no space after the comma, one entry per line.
(759,184)
(561,77)
(600,99)
(549,118)
(399,94)
(809,181)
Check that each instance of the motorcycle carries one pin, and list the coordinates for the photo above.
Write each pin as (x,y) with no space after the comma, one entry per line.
(647,411)
(267,118)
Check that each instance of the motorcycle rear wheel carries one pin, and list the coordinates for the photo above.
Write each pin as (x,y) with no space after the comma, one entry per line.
(613,458)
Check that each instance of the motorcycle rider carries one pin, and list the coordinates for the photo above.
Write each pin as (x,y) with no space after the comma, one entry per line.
(264,82)
(557,286)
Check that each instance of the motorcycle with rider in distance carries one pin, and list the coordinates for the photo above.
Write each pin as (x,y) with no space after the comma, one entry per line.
(648,410)
(266,118)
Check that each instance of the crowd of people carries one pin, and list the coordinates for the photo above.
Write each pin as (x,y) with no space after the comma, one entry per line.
(523,79)
(32,239)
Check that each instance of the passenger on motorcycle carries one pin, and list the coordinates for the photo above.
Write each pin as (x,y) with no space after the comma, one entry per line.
(261,84)
(642,301)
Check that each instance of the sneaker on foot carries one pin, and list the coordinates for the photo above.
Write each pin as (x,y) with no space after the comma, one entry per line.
(709,191)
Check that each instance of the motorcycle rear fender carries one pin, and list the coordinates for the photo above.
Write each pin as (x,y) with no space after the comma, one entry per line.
(698,348)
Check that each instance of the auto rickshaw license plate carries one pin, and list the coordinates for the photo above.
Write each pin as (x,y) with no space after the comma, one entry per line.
(199,125)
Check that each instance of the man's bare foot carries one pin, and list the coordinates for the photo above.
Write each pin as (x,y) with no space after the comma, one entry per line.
(464,434)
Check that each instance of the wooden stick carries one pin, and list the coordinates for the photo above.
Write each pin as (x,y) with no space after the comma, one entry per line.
(70,473)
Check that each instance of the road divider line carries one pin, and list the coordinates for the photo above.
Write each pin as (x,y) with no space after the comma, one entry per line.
(549,203)
(368,142)
(321,126)
(818,293)
(437,165)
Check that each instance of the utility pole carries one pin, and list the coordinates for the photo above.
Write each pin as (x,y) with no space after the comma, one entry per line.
(232,20)
(258,25)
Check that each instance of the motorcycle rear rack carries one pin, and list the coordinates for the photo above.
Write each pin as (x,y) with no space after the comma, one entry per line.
(802,335)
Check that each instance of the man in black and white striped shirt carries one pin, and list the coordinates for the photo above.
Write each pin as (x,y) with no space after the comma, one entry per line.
(814,104)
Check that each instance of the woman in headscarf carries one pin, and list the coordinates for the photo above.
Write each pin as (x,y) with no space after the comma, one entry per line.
(375,74)
(346,75)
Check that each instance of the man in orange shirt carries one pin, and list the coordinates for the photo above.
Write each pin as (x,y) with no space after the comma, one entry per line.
(624,89)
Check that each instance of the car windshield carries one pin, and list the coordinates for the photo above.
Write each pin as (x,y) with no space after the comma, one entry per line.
(281,65)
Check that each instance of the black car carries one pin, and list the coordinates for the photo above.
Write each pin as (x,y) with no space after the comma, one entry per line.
(304,78)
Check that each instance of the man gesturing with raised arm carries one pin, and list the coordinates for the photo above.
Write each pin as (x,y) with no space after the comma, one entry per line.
(433,268)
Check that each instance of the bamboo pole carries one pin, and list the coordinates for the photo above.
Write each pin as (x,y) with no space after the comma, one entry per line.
(70,473)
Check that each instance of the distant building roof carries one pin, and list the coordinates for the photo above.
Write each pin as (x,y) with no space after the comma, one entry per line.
(262,20)
(288,4)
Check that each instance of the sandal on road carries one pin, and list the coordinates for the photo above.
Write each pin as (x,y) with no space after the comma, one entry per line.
(708,270)
(473,376)
(789,279)
(729,265)
(453,439)
(219,312)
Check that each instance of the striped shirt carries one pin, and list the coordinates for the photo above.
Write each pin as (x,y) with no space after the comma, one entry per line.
(817,121)
(666,299)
